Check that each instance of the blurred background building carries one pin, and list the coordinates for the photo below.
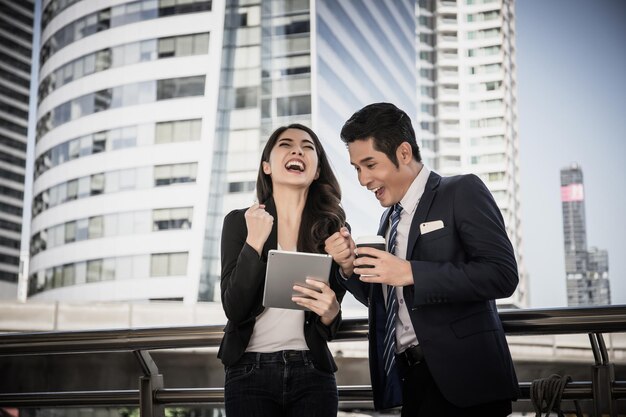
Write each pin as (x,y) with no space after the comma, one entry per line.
(16,40)
(467,117)
(587,271)
(125,121)
(151,116)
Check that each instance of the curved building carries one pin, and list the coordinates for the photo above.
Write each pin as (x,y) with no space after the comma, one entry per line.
(125,120)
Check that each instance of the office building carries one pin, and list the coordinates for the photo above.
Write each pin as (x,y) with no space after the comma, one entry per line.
(301,61)
(151,118)
(587,271)
(125,121)
(16,42)
(467,116)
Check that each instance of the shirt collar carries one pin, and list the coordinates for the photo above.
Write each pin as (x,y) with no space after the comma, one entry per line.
(415,191)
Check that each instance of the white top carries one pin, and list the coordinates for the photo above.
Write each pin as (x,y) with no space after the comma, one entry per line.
(278,329)
(405,334)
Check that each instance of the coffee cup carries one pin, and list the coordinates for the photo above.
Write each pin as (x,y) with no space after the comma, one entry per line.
(376,242)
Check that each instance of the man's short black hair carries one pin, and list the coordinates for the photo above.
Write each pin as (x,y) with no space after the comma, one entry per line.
(386,125)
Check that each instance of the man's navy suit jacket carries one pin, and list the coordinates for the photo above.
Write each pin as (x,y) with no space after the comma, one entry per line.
(458,272)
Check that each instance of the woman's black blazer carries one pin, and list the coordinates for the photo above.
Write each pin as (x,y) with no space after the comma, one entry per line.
(242,284)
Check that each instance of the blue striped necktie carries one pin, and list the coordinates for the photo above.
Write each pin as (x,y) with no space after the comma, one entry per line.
(389,354)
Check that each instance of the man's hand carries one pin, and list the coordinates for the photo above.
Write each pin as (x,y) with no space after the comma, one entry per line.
(386,268)
(341,247)
(323,302)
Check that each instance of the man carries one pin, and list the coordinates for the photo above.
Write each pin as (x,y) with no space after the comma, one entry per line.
(436,343)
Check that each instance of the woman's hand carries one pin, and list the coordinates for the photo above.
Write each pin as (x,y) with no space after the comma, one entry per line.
(341,247)
(322,301)
(259,223)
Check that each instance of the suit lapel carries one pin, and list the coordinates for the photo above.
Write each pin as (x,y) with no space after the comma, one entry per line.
(422,210)
(384,222)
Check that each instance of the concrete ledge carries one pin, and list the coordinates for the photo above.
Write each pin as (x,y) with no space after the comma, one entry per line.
(27,317)
(63,316)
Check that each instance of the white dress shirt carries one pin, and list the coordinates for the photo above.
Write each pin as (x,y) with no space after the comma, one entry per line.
(405,335)
(277,329)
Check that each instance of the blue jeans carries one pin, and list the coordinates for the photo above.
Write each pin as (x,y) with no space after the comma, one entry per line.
(283,383)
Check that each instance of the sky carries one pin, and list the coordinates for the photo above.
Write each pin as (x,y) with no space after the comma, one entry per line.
(571,73)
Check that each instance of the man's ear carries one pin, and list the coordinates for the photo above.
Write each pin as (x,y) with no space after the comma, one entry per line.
(404,153)
(266,168)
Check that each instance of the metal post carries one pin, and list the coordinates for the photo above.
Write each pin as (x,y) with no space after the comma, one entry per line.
(151,381)
(602,378)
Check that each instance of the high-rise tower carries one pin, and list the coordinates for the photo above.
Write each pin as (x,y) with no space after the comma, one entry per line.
(467,119)
(16,41)
(587,271)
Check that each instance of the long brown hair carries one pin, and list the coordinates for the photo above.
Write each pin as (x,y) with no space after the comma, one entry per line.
(323,214)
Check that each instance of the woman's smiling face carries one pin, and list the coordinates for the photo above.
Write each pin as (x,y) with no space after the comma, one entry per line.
(293,160)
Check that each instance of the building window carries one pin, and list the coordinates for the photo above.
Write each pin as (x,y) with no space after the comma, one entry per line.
(488,159)
(121,55)
(241,186)
(483,17)
(175,173)
(94,270)
(481,52)
(113,181)
(109,18)
(84,146)
(172,218)
(168,264)
(489,122)
(178,131)
(180,87)
(246,97)
(484,69)
(483,34)
(121,96)
(296,26)
(292,106)
(108,269)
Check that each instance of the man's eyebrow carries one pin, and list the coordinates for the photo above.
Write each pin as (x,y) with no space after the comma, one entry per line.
(366,159)
(362,161)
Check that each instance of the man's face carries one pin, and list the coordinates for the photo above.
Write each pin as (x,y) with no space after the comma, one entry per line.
(376,172)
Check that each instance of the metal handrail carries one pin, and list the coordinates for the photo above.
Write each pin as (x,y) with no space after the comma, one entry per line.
(177,396)
(516,322)
(591,320)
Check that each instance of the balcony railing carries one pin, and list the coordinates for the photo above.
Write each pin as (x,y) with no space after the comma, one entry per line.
(151,395)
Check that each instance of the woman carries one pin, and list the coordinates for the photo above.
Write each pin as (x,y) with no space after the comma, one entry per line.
(277,361)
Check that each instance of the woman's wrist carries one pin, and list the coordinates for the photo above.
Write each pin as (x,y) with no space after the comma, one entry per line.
(257,247)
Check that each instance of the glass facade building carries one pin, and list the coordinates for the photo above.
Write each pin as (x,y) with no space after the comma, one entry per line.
(307,62)
(16,42)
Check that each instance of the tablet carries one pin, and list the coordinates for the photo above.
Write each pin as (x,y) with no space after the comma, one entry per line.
(284,269)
